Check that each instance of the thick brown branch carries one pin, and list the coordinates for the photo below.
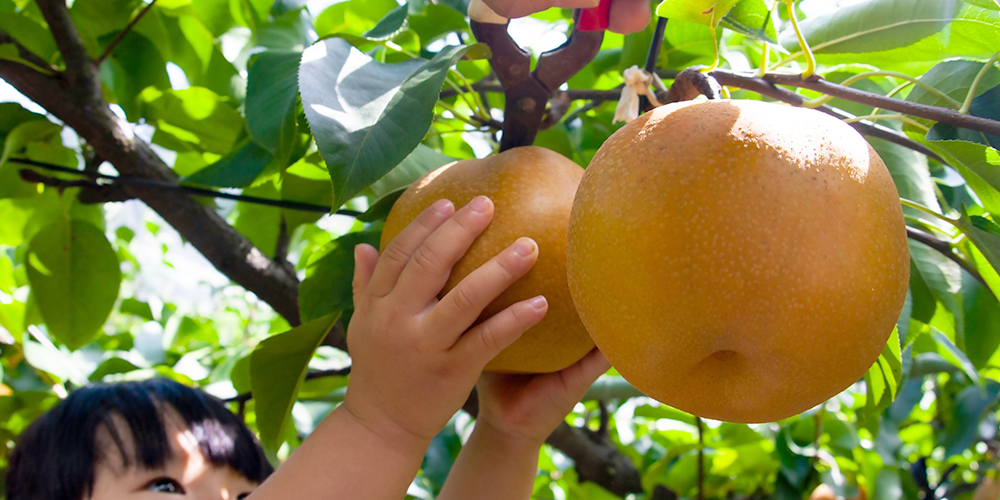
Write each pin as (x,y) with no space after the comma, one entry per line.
(81,73)
(114,141)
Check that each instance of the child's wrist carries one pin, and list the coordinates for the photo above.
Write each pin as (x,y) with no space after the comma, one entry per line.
(382,429)
(501,438)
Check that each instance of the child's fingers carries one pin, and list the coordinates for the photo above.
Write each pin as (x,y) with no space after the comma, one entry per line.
(483,342)
(578,377)
(365,259)
(463,304)
(428,269)
(629,16)
(398,252)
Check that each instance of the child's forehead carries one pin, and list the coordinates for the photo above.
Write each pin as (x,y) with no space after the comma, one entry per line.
(116,446)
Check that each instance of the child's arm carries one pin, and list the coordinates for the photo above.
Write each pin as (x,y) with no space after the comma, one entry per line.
(516,414)
(415,358)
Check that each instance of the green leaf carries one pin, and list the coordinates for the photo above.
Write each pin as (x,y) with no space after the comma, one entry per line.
(954,355)
(707,12)
(944,278)
(883,378)
(194,118)
(353,16)
(953,78)
(971,405)
(986,105)
(911,175)
(985,235)
(260,223)
(272,90)
(327,287)
(986,4)
(11,185)
(367,116)
(753,19)
(900,31)
(436,21)
(29,33)
(982,322)
(277,368)
(136,64)
(978,165)
(390,25)
(74,278)
(423,159)
(239,169)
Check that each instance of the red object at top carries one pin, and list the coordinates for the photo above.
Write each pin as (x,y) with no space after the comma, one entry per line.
(595,19)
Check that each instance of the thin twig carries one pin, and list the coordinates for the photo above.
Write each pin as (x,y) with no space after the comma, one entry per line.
(148,183)
(121,34)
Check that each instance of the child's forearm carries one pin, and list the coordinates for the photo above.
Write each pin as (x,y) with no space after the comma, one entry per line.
(343,458)
(492,466)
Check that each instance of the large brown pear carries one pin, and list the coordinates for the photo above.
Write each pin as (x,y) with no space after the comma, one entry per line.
(532,190)
(738,260)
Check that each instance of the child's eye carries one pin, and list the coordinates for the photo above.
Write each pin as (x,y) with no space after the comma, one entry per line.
(165,485)
(243,496)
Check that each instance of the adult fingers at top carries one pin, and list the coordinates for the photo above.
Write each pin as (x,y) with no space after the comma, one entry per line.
(428,269)
(463,304)
(520,8)
(629,16)
(398,252)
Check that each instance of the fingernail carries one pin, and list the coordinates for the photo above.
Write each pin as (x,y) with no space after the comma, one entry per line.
(480,204)
(539,303)
(524,246)
(442,207)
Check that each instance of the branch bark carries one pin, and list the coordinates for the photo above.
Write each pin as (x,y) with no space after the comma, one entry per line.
(75,98)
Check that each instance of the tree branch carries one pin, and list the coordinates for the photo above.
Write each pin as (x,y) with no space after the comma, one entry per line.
(81,73)
(936,113)
(113,140)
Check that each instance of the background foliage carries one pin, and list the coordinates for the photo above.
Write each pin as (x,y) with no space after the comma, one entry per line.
(344,105)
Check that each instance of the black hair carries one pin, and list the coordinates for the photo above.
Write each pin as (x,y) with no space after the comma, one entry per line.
(55,457)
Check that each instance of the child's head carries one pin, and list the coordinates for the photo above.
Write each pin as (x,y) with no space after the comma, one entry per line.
(128,439)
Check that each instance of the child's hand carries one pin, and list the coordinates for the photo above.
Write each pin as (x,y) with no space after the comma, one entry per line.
(530,407)
(626,16)
(415,359)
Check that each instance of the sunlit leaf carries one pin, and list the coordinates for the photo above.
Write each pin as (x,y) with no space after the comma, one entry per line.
(74,278)
(708,12)
(752,18)
(353,16)
(367,116)
(900,32)
(277,369)
(194,118)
